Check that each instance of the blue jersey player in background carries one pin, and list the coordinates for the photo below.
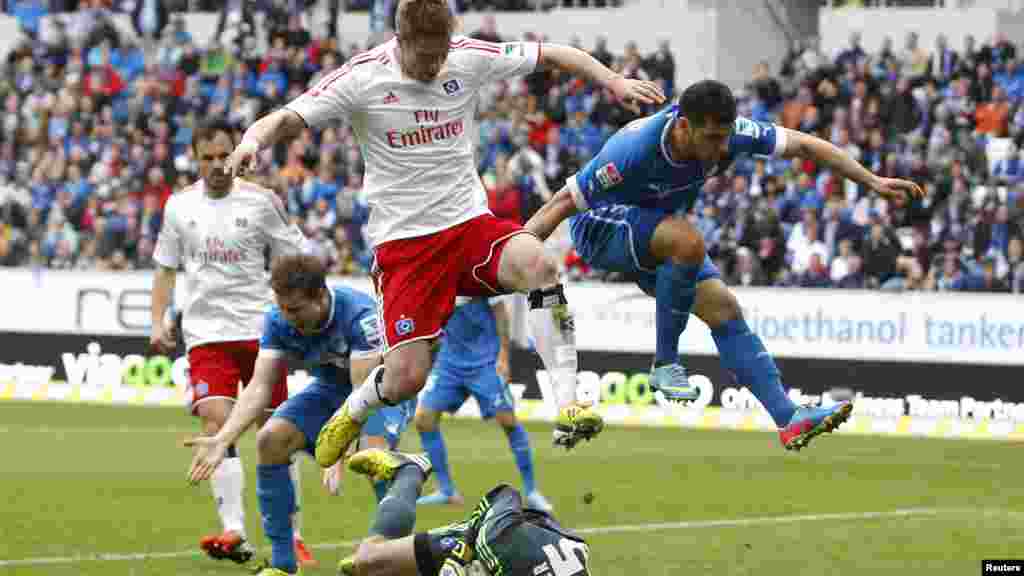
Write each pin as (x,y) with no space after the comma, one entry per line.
(627,208)
(473,360)
(336,333)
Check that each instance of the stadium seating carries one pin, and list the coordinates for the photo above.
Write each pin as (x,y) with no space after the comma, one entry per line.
(96,128)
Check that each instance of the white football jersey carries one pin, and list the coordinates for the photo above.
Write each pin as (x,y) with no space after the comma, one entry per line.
(224,245)
(417,138)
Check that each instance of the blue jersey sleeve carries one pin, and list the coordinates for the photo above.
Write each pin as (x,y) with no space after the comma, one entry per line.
(367,340)
(364,336)
(272,340)
(620,163)
(751,138)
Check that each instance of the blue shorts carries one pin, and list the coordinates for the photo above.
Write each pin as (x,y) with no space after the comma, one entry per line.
(389,422)
(311,408)
(617,238)
(448,387)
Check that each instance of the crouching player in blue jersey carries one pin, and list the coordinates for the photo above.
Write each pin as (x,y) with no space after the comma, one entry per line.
(627,209)
(473,359)
(336,333)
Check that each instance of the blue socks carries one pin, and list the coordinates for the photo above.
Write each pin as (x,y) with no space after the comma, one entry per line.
(277,503)
(675,290)
(380,489)
(742,353)
(740,350)
(519,442)
(433,443)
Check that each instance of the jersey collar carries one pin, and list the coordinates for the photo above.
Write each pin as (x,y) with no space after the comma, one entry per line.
(330,315)
(664,139)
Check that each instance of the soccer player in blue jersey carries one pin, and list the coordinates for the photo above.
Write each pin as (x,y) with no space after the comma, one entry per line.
(336,333)
(627,208)
(473,359)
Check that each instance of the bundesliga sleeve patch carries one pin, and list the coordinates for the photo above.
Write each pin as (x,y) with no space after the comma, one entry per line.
(745,127)
(371,330)
(515,49)
(608,175)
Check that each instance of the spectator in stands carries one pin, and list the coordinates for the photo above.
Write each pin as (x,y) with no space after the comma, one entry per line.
(986,280)
(816,274)
(853,54)
(879,253)
(805,240)
(992,117)
(915,60)
(944,61)
(90,120)
(662,66)
(503,196)
(149,18)
(747,270)
(1015,265)
(489,30)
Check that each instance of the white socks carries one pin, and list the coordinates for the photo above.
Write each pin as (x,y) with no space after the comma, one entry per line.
(554,336)
(294,471)
(228,484)
(364,400)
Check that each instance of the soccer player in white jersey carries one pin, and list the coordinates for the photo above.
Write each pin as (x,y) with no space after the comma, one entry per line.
(221,230)
(411,103)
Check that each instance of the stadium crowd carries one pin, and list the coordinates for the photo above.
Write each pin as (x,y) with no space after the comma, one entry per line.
(97,122)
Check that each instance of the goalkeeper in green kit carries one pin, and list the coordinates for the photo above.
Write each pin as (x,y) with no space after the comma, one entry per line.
(500,536)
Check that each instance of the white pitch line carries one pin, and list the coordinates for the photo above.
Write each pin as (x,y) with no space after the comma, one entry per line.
(762,520)
(614,529)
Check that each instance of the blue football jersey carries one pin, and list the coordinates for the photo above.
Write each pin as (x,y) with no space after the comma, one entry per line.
(634,167)
(352,331)
(470,336)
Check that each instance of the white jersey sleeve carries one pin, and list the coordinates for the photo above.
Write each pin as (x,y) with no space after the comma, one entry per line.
(497,61)
(168,245)
(335,97)
(283,237)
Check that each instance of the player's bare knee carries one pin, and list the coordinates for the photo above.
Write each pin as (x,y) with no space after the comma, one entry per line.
(211,426)
(405,371)
(409,379)
(726,310)
(534,271)
(545,272)
(272,444)
(506,420)
(370,559)
(213,413)
(721,307)
(688,247)
(425,421)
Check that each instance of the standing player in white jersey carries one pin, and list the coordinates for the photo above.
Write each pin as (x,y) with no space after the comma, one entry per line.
(221,230)
(411,103)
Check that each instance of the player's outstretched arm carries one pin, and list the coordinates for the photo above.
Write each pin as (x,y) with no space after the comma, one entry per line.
(280,125)
(551,214)
(252,404)
(802,145)
(577,62)
(161,339)
(502,325)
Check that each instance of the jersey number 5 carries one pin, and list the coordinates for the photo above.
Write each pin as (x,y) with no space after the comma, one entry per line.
(564,559)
